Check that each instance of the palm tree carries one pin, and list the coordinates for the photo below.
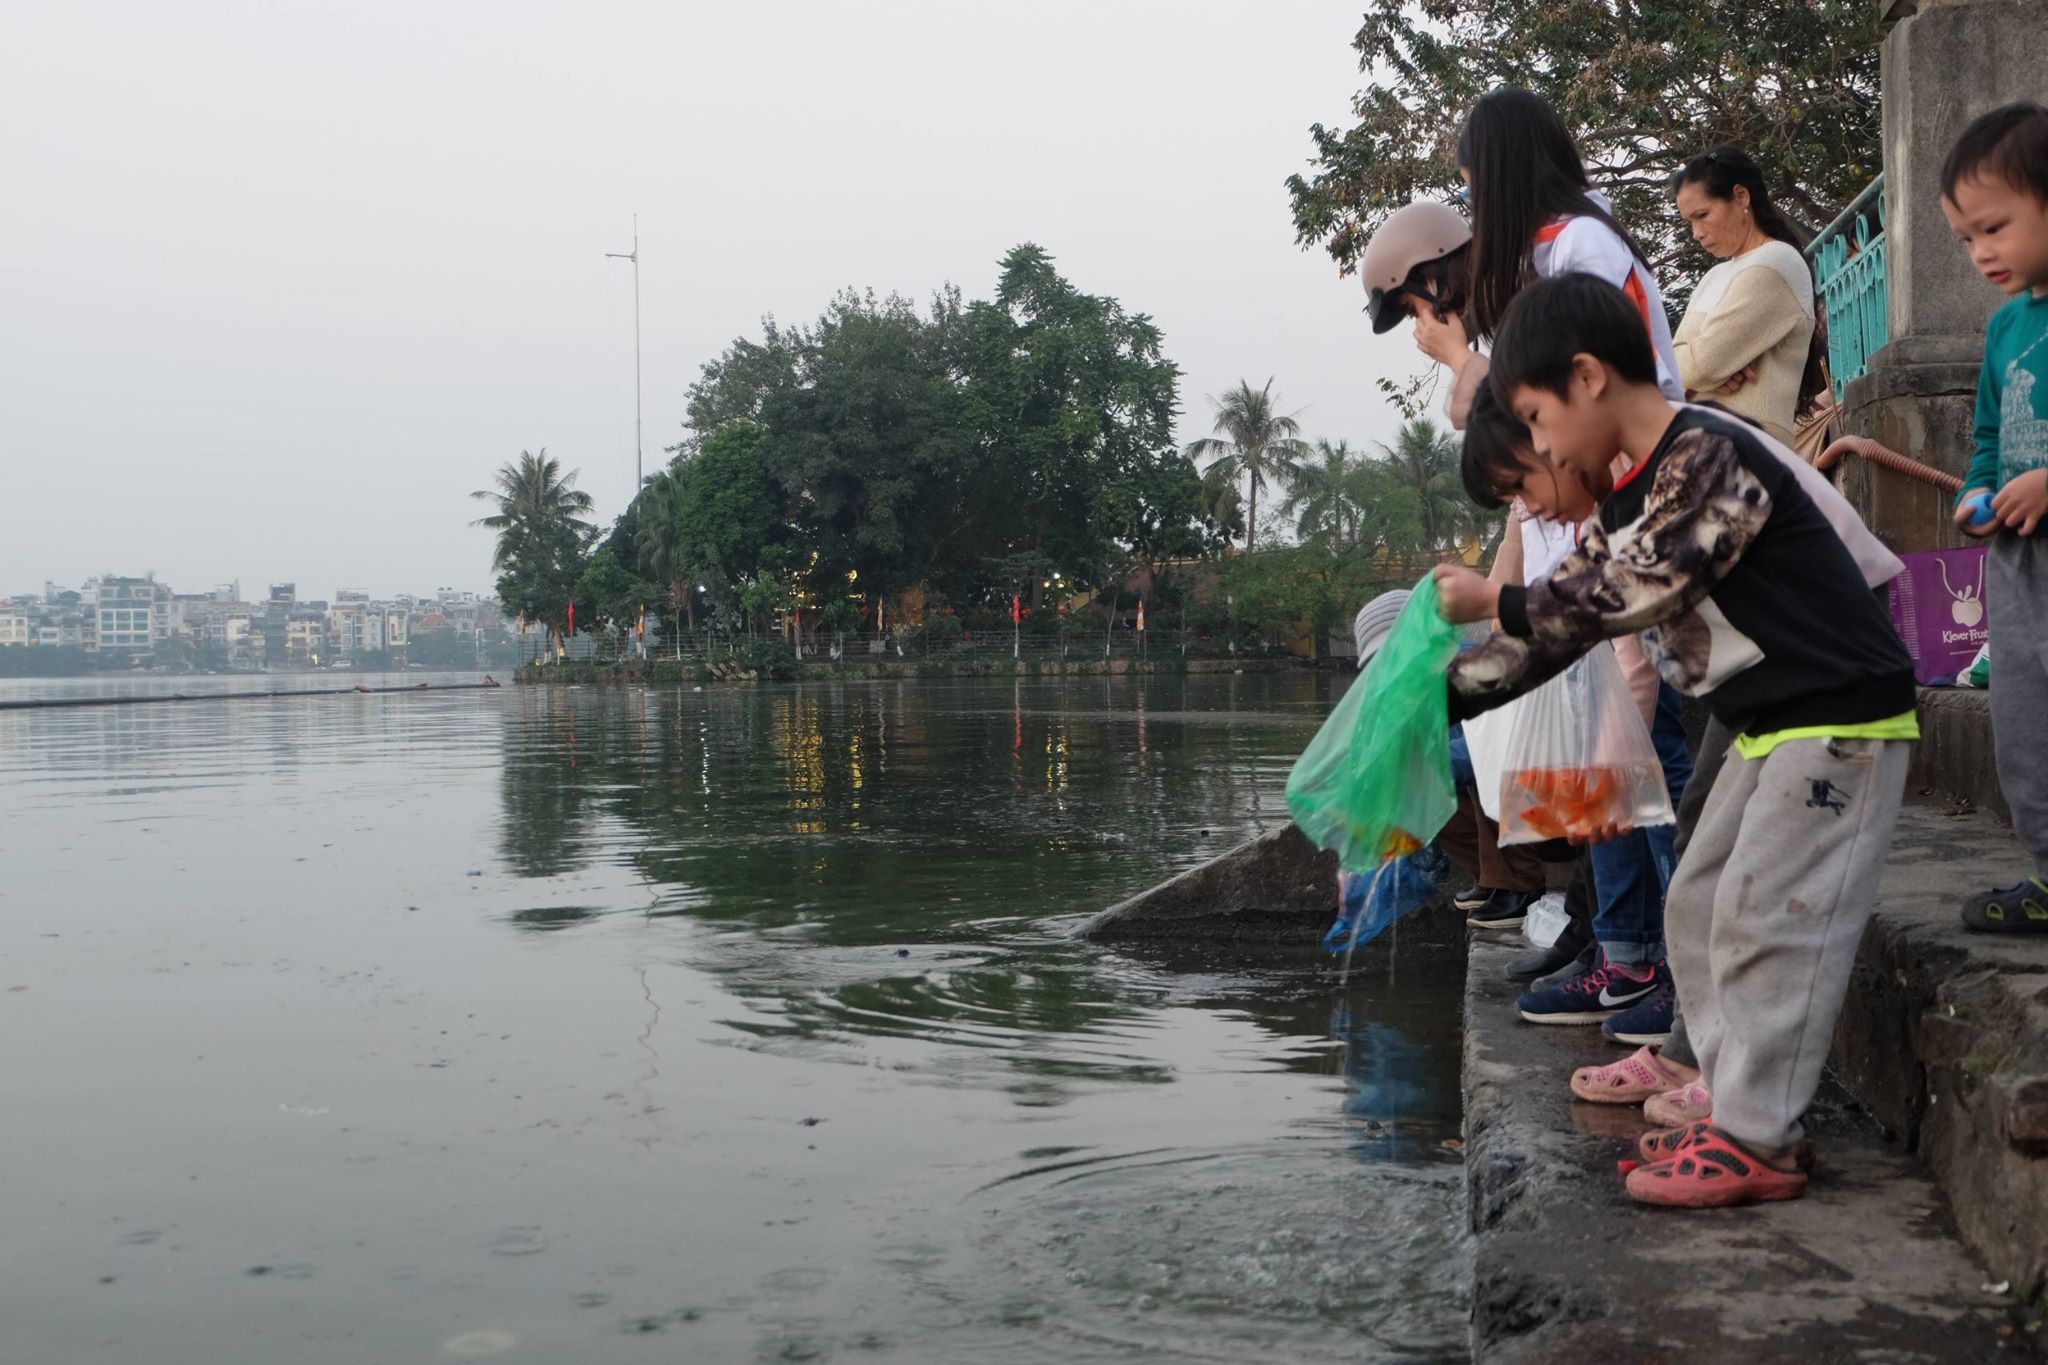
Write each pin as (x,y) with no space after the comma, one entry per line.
(1424,457)
(542,534)
(534,497)
(1254,442)
(1321,496)
(659,543)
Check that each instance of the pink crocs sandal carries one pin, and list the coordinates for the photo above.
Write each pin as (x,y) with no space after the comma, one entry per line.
(1712,1171)
(1676,1108)
(1632,1080)
(1664,1144)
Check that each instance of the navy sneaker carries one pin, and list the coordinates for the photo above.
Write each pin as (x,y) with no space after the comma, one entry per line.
(1647,1023)
(1471,898)
(1501,910)
(1597,996)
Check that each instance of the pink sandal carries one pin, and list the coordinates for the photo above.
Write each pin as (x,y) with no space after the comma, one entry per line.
(1691,1103)
(1666,1144)
(1632,1080)
(1712,1171)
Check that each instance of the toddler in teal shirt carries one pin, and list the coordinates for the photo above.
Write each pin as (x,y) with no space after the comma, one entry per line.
(1995,195)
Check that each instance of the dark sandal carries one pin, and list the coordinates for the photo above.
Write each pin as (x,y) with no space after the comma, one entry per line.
(2021,908)
(1714,1172)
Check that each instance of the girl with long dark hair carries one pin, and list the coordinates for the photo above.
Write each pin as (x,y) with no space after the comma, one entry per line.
(1535,215)
(1748,340)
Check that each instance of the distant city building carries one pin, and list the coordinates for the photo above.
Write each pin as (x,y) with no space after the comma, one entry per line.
(128,621)
(132,616)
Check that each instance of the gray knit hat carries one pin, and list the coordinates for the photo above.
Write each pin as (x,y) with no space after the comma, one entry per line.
(1375,620)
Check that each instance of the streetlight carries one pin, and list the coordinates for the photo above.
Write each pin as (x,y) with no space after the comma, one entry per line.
(639,476)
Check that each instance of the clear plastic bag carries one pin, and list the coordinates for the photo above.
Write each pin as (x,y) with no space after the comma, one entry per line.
(1580,758)
(1546,920)
(1375,782)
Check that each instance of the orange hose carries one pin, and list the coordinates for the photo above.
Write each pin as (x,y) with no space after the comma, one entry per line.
(1890,459)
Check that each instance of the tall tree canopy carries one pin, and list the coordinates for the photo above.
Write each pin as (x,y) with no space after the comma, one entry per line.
(542,533)
(1073,407)
(1644,83)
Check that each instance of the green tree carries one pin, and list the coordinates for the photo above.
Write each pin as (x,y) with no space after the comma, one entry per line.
(728,513)
(870,443)
(1645,84)
(442,647)
(737,386)
(659,553)
(179,653)
(542,534)
(1322,496)
(1281,592)
(1424,459)
(1254,444)
(610,594)
(1072,403)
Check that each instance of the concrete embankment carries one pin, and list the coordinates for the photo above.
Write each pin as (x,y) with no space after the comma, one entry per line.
(1932,1186)
(1567,1269)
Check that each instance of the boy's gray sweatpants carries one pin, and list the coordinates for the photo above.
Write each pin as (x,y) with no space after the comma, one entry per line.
(1706,766)
(1764,916)
(2017,586)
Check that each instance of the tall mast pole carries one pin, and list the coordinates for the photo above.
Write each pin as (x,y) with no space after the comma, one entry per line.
(639,472)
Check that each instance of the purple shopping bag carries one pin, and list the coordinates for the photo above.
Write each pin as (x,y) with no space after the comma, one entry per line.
(1938,606)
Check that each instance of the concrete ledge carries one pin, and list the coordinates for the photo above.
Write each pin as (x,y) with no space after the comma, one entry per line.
(1567,1270)
(1945,1037)
(1954,758)
(1279,885)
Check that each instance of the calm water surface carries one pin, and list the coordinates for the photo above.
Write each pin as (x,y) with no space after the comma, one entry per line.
(606,1025)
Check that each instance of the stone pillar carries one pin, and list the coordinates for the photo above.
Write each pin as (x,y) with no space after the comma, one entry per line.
(1944,63)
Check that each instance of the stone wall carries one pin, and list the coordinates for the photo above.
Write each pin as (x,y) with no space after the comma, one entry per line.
(1945,62)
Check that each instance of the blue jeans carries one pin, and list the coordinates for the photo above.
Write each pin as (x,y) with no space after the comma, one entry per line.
(1462,775)
(1630,874)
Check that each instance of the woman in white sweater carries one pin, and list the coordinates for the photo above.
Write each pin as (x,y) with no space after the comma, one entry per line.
(1748,339)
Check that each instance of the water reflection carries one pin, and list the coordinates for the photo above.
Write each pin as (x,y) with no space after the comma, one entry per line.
(554,1019)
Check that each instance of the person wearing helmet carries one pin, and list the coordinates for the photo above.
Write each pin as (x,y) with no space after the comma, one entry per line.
(1419,266)
(1416,259)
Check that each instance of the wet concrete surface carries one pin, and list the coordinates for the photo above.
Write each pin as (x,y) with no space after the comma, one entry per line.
(1945,1036)
(1866,1267)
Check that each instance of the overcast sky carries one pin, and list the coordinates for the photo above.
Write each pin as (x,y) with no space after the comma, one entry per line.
(281,283)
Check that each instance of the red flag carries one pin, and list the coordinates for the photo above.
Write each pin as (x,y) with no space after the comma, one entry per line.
(572,618)
(1016,609)
(1141,613)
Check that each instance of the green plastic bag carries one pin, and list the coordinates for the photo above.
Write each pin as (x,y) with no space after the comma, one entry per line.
(1375,782)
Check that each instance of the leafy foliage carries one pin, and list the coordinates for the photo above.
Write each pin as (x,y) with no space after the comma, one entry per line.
(608,594)
(1424,460)
(971,449)
(542,535)
(1645,83)
(968,452)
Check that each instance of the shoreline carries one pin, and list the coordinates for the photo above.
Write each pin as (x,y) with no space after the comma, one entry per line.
(671,672)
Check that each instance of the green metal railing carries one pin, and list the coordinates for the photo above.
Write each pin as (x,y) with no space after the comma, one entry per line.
(1848,260)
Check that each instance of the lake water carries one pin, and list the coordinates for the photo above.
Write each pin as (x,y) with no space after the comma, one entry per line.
(746,1024)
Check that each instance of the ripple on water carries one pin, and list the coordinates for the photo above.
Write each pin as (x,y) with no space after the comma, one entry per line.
(1282,1252)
